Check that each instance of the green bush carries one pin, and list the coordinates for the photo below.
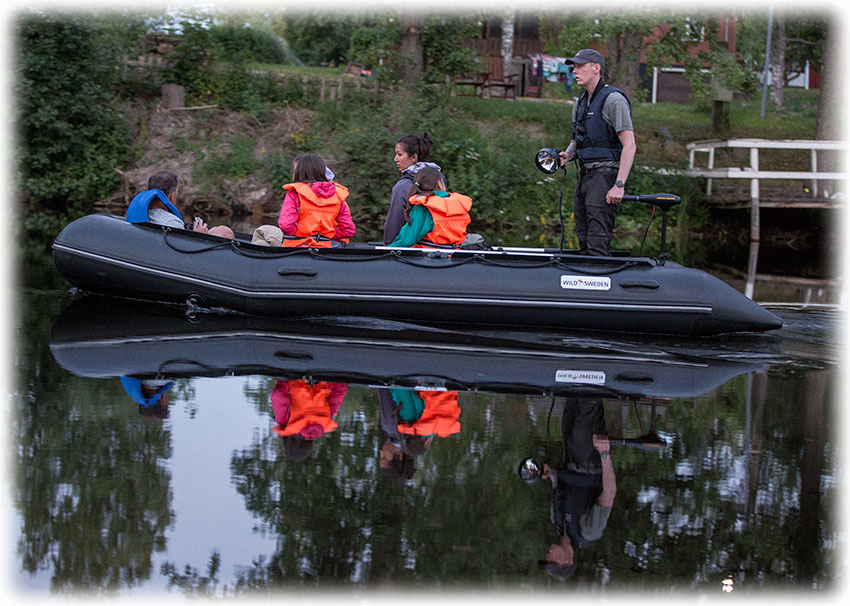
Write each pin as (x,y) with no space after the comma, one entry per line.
(241,43)
(237,163)
(277,168)
(188,64)
(71,135)
(320,37)
(373,46)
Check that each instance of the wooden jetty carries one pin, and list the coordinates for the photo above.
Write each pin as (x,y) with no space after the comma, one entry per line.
(753,187)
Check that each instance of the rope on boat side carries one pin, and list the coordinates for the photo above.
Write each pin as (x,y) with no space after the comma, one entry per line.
(235,245)
(316,255)
(167,230)
(613,270)
(271,253)
(399,257)
(161,370)
(557,262)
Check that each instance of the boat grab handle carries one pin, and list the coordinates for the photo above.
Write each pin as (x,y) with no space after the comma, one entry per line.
(634,378)
(296,355)
(650,284)
(297,274)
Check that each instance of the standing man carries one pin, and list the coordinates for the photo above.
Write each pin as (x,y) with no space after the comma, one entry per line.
(583,491)
(603,140)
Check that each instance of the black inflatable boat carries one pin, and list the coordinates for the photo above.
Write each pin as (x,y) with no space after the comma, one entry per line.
(520,287)
(98,337)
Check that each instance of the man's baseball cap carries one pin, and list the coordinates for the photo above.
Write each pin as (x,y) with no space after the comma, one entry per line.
(587,55)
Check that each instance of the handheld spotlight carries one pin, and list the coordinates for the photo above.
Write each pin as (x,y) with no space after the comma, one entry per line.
(548,160)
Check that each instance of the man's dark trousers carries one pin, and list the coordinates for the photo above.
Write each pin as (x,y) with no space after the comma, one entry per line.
(594,217)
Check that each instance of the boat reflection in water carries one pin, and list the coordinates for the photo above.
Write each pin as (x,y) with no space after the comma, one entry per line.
(416,370)
(103,337)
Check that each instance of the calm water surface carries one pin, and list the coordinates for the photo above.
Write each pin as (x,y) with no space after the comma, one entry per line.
(723,452)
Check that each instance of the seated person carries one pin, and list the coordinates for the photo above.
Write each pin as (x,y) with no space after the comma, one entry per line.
(156,205)
(314,212)
(433,217)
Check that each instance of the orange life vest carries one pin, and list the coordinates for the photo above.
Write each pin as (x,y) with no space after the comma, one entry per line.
(450,215)
(439,418)
(308,405)
(316,216)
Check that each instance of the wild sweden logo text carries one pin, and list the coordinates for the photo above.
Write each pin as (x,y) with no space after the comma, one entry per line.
(585,283)
(583,377)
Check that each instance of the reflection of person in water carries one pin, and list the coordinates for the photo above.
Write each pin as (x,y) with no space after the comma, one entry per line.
(583,490)
(304,411)
(151,394)
(411,419)
(392,459)
(427,413)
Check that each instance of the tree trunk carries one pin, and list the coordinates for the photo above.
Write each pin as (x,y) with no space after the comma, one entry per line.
(828,127)
(508,38)
(173,96)
(777,58)
(829,108)
(721,123)
(803,539)
(411,47)
(623,61)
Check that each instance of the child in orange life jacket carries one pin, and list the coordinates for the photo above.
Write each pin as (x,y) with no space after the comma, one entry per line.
(433,217)
(314,210)
(426,414)
(305,411)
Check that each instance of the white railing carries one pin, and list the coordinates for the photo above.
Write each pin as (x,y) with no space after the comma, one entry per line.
(753,173)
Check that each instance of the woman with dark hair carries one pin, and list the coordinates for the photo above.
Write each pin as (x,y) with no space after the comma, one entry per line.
(314,210)
(411,155)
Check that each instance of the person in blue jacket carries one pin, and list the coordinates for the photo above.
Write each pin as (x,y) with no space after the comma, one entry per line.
(151,395)
(157,205)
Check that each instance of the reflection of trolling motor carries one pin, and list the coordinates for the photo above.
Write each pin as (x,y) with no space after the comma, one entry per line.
(531,468)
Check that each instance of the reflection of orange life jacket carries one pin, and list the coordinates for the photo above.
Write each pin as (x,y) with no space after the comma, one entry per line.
(316,216)
(308,406)
(440,417)
(450,215)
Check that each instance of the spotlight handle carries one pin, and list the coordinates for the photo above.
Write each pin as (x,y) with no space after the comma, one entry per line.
(665,202)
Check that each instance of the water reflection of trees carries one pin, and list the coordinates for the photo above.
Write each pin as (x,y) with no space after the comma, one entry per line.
(724,497)
(739,491)
(92,488)
(340,520)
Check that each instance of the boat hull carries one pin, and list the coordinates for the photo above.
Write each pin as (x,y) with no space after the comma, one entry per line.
(104,254)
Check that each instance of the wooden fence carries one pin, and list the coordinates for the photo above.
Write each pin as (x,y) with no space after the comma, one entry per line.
(336,89)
